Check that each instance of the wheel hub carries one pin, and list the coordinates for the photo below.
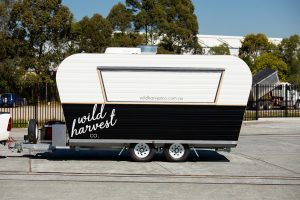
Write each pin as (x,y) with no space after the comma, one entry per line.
(176,150)
(142,150)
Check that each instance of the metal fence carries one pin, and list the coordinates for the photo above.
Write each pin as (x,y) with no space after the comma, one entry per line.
(281,100)
(42,103)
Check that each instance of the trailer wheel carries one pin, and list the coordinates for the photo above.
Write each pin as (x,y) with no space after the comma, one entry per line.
(32,131)
(176,152)
(141,152)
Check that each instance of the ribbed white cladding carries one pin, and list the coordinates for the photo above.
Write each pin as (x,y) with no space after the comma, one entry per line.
(78,80)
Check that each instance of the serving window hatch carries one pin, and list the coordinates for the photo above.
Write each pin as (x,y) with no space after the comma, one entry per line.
(160,85)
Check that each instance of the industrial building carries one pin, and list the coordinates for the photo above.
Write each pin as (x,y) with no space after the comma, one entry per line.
(233,42)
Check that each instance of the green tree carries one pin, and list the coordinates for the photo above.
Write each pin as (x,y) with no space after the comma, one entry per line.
(130,39)
(6,46)
(180,27)
(149,14)
(289,49)
(40,26)
(294,74)
(10,74)
(270,60)
(5,8)
(93,34)
(6,41)
(294,71)
(120,18)
(9,54)
(253,46)
(222,49)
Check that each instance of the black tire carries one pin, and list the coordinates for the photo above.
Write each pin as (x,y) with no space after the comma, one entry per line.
(138,157)
(179,157)
(297,105)
(32,131)
(268,106)
(253,106)
(260,105)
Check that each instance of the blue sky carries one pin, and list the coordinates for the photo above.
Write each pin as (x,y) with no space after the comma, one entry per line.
(275,18)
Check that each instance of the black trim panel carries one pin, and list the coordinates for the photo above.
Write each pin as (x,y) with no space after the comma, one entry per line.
(154,122)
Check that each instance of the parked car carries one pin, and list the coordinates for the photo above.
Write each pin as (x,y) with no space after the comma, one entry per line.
(12,100)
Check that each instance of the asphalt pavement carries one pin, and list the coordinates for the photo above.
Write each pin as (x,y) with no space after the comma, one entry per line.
(265,165)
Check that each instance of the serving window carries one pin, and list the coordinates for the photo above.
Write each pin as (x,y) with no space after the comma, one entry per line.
(160,85)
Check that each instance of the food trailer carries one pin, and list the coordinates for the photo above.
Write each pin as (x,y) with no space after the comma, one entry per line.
(149,103)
